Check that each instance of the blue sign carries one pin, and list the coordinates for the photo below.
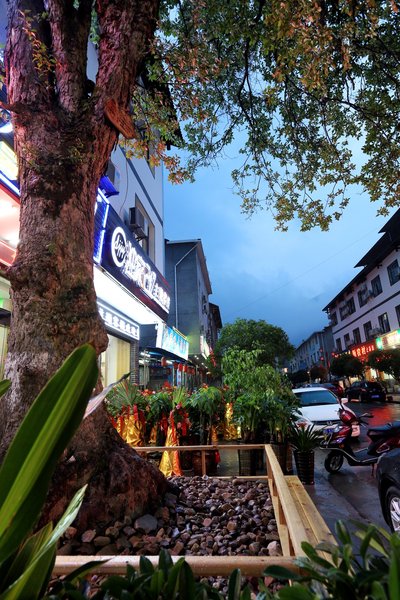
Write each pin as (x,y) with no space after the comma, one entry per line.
(118,252)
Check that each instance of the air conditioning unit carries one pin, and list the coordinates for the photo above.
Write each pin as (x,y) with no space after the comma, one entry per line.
(138,223)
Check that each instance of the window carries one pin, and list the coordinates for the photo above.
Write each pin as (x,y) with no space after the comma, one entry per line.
(347,340)
(367,330)
(147,239)
(398,313)
(344,311)
(339,345)
(356,336)
(393,272)
(376,286)
(362,297)
(384,323)
(351,307)
(333,318)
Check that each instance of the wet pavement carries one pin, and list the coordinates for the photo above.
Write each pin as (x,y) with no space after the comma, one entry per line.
(350,494)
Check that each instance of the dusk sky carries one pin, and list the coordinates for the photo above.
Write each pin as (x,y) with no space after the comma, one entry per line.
(258,273)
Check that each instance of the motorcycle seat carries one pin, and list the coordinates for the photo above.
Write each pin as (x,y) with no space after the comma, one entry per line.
(388,429)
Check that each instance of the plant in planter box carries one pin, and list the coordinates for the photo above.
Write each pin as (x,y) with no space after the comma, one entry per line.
(263,403)
(178,424)
(127,407)
(206,408)
(262,398)
(159,407)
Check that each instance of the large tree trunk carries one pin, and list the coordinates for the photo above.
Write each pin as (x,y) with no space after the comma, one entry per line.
(63,143)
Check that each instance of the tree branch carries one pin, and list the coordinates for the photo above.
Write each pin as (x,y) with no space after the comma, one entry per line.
(70,28)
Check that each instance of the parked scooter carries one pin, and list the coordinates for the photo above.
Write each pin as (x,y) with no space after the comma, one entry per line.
(337,440)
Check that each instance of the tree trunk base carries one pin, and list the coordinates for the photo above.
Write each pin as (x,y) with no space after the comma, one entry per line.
(120,482)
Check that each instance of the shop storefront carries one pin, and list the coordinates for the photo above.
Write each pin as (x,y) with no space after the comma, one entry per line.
(122,334)
(164,354)
(5,313)
(131,293)
(362,351)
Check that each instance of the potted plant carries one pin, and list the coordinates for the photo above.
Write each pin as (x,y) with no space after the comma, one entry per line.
(263,403)
(304,439)
(206,409)
(127,407)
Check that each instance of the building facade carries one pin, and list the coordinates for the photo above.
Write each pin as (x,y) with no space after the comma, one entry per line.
(315,350)
(365,314)
(128,252)
(191,311)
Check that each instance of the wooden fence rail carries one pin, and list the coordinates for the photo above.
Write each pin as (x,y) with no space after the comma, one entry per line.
(296,515)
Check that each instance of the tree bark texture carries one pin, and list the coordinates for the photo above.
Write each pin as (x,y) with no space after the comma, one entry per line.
(63,143)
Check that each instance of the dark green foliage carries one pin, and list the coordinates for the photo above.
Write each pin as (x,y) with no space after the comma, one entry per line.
(347,365)
(26,559)
(271,342)
(167,581)
(387,361)
(301,376)
(318,372)
(367,570)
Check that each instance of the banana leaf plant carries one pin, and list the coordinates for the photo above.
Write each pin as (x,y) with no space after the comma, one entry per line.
(26,558)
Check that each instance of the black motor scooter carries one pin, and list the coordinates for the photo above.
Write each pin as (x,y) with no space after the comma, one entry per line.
(337,440)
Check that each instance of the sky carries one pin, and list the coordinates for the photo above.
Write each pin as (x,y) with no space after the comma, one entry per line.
(285,278)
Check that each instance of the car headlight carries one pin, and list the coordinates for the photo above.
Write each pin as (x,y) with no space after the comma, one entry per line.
(303,422)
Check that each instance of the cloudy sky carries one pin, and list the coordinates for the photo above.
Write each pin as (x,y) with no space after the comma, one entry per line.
(258,273)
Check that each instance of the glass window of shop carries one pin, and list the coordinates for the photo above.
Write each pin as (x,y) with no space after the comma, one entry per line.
(5,307)
(115,361)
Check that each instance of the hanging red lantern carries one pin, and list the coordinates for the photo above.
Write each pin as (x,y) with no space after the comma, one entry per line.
(185,368)
(180,367)
(176,365)
(163,361)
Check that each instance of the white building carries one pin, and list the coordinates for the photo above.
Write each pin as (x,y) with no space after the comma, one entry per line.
(315,350)
(365,314)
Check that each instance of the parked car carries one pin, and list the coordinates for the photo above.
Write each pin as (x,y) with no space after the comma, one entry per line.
(336,388)
(320,407)
(366,391)
(388,476)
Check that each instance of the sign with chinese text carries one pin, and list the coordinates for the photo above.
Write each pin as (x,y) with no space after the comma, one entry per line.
(118,252)
(117,321)
(172,341)
(361,351)
(389,340)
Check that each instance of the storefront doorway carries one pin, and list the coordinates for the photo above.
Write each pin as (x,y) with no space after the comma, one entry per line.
(115,361)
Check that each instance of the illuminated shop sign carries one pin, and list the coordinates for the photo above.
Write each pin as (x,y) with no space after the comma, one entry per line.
(389,340)
(362,350)
(117,321)
(118,252)
(172,341)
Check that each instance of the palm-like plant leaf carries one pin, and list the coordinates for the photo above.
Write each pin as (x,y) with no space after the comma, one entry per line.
(46,430)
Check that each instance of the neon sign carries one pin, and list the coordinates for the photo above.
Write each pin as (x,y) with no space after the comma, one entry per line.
(133,266)
(389,340)
(362,350)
